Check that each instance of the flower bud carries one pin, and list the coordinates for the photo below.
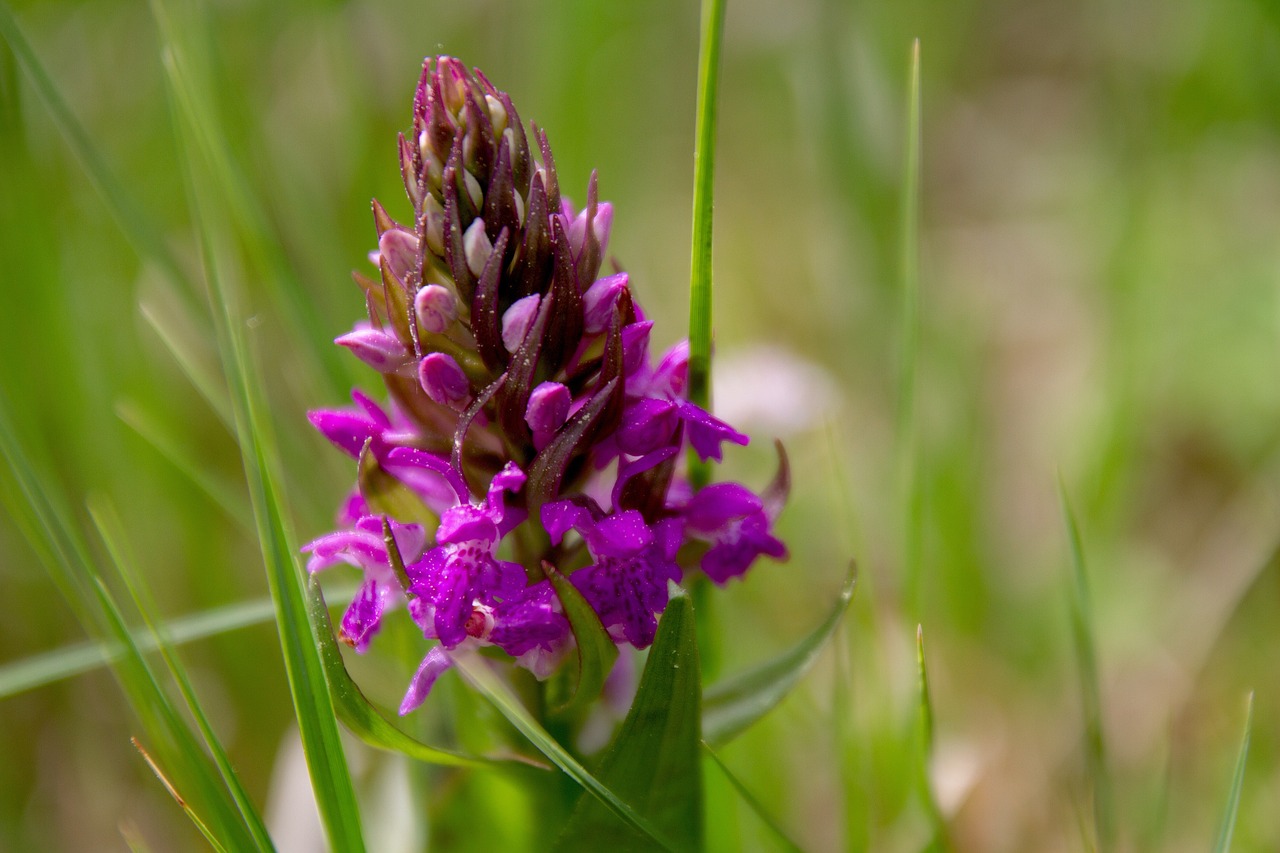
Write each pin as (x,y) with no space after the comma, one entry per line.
(518,319)
(436,308)
(444,381)
(635,346)
(476,245)
(433,217)
(400,248)
(379,349)
(497,114)
(598,302)
(547,411)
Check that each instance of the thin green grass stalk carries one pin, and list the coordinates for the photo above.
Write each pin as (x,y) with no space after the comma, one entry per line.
(41,514)
(207,383)
(112,533)
(219,491)
(249,218)
(78,658)
(138,229)
(1082,633)
(753,802)
(853,784)
(704,170)
(1228,825)
(938,824)
(907,439)
(330,778)
(192,814)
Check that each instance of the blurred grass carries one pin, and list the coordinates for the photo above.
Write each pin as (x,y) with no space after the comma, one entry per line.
(1100,195)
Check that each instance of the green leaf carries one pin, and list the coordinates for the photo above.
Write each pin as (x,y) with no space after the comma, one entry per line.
(732,706)
(1090,695)
(653,760)
(937,822)
(357,713)
(704,173)
(596,651)
(1227,828)
(386,495)
(482,677)
(753,802)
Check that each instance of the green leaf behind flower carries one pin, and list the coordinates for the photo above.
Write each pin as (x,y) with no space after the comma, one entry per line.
(735,704)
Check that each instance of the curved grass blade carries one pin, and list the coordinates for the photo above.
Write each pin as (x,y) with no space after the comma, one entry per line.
(357,713)
(191,813)
(1090,695)
(1228,825)
(753,802)
(732,706)
(111,532)
(704,172)
(299,639)
(653,760)
(39,510)
(937,822)
(596,652)
(478,673)
(69,661)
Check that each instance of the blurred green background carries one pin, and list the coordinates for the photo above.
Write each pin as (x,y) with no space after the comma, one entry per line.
(1099,262)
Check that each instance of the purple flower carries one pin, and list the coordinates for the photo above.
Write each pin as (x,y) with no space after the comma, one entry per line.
(732,519)
(627,583)
(364,547)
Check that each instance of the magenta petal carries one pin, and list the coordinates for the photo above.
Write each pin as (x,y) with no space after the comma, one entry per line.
(363,616)
(466,523)
(559,517)
(347,430)
(706,432)
(431,668)
(621,535)
(712,506)
(647,424)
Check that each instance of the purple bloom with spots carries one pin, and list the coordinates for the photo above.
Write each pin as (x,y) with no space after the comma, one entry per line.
(527,424)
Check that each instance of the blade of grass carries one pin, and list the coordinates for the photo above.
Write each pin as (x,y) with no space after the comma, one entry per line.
(57,664)
(177,340)
(1082,634)
(731,706)
(178,798)
(907,442)
(1228,825)
(112,533)
(937,823)
(220,492)
(753,802)
(299,640)
(479,674)
(139,230)
(704,163)
(40,512)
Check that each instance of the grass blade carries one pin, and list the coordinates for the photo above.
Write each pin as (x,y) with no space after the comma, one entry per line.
(653,760)
(1228,825)
(704,171)
(299,637)
(732,706)
(213,840)
(142,233)
(753,802)
(907,442)
(111,532)
(479,674)
(925,720)
(1086,657)
(40,512)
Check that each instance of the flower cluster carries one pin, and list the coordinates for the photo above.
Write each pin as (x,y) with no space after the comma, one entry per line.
(528,426)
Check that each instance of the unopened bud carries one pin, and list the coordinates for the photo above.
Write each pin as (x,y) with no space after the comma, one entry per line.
(603,224)
(379,349)
(444,381)
(497,114)
(598,302)
(474,190)
(635,346)
(399,249)
(547,411)
(518,319)
(478,248)
(433,217)
(436,308)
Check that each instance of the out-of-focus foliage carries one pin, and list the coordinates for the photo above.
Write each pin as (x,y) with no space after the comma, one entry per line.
(1098,277)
